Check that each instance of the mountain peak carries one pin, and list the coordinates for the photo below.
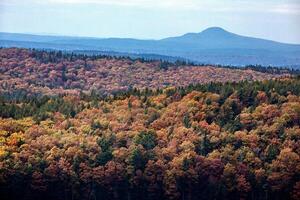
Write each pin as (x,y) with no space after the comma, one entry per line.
(215,32)
(212,33)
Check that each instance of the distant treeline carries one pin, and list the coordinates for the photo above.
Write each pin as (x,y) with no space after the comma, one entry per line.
(164,61)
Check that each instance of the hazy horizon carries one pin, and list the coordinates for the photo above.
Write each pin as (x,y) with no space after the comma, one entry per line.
(96,37)
(276,20)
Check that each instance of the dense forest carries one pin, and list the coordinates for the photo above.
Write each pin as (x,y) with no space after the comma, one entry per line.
(237,140)
(56,72)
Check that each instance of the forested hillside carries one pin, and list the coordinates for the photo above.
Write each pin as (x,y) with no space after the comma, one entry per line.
(211,141)
(44,72)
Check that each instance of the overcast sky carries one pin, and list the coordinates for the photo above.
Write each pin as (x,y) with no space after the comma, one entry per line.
(152,19)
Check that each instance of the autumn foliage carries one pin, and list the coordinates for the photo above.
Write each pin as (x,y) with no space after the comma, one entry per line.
(59,73)
(207,141)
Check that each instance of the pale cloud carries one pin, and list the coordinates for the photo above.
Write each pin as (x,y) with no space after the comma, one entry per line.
(287,8)
(274,6)
(183,4)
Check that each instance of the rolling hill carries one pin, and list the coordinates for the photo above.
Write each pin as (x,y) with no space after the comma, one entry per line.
(43,72)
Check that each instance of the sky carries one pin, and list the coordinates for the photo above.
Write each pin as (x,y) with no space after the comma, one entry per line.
(277,20)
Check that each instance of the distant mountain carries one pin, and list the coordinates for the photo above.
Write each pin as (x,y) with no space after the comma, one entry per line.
(218,38)
(212,46)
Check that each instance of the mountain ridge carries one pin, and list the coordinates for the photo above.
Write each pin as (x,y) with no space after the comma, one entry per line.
(214,45)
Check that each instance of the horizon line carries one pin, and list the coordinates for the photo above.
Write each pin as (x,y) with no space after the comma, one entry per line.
(142,39)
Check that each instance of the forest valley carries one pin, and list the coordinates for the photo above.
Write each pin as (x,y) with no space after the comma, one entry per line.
(213,140)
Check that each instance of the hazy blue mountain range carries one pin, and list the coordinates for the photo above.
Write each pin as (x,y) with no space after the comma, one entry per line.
(212,46)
